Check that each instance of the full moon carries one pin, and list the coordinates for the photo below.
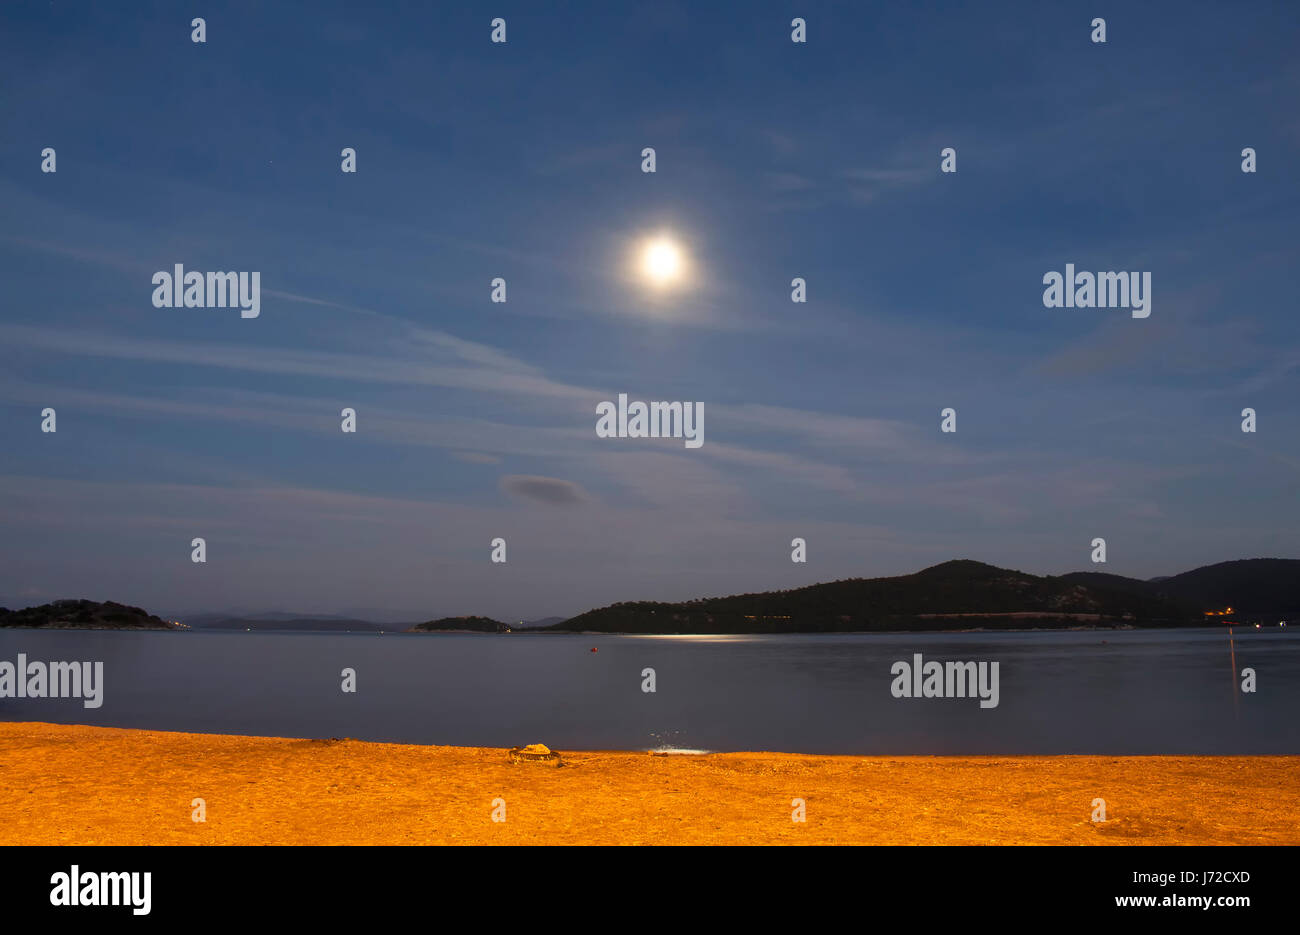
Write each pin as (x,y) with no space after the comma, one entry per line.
(662,262)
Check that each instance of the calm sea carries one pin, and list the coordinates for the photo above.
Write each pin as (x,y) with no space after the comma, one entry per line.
(1127,692)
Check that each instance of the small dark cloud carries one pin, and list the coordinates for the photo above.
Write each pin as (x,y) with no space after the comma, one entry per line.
(476,457)
(549,490)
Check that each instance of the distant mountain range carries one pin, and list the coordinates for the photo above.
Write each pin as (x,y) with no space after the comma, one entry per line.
(964,594)
(540,623)
(960,594)
(328,623)
(281,621)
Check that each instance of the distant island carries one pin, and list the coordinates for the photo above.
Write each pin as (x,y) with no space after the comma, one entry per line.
(475,624)
(955,595)
(85,615)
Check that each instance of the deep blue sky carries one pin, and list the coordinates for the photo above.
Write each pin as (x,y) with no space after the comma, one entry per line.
(522,161)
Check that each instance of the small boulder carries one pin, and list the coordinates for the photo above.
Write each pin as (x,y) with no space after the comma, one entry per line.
(535,753)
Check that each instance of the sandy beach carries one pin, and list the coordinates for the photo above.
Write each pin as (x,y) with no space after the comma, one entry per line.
(104,786)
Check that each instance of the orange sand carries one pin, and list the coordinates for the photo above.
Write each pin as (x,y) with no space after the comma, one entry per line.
(89,785)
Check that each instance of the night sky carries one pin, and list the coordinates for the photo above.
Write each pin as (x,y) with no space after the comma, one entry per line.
(522,160)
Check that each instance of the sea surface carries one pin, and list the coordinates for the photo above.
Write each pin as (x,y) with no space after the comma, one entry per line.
(1085,692)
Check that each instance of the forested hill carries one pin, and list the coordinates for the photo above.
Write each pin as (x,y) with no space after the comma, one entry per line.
(84,615)
(960,594)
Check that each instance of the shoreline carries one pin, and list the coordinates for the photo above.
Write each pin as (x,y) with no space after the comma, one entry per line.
(64,784)
(546,631)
